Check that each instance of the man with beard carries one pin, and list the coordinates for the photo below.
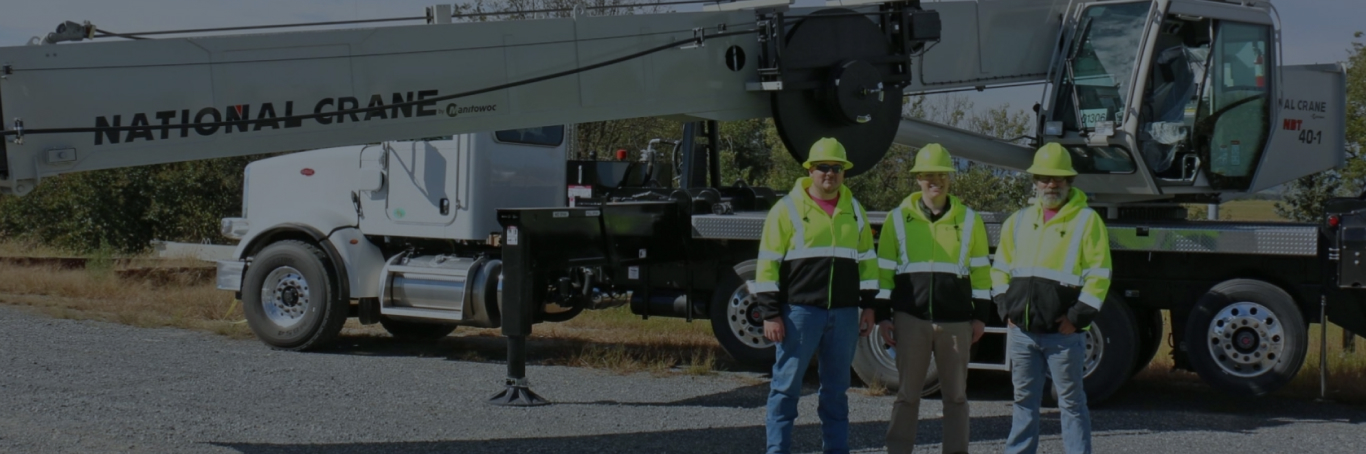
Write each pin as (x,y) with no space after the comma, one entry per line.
(814,283)
(1049,279)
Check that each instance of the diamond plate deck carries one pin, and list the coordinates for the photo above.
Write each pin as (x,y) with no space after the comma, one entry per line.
(1199,237)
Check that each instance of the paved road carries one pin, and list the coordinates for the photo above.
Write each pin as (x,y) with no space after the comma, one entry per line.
(81,386)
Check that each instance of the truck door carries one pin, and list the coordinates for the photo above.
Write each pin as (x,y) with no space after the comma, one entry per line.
(423,181)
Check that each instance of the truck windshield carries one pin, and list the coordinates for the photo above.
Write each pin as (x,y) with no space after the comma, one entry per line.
(1100,66)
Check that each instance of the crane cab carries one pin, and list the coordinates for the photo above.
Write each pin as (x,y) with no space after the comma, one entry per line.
(1180,98)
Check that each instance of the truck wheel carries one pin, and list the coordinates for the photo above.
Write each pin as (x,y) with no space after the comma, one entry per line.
(415,331)
(290,298)
(1111,345)
(875,362)
(1150,327)
(1246,337)
(735,319)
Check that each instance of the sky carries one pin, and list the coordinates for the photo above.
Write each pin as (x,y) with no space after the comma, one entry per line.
(1313,31)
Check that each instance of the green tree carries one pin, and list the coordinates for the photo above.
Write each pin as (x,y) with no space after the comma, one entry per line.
(1355,170)
(124,209)
(1304,199)
(982,186)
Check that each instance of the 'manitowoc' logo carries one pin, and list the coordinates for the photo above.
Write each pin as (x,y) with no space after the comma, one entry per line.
(454,109)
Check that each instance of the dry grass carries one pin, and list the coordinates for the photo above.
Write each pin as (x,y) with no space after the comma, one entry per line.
(16,248)
(617,340)
(875,389)
(1250,210)
(180,297)
(1346,370)
(97,294)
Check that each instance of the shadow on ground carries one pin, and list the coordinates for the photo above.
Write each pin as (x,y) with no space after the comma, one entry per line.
(1141,408)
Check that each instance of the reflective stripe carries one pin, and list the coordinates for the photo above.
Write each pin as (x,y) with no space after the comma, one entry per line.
(1089,300)
(870,284)
(884,294)
(858,214)
(1103,273)
(969,221)
(1074,246)
(1019,221)
(900,223)
(870,255)
(1000,289)
(931,267)
(886,264)
(978,262)
(1046,273)
(768,255)
(828,251)
(762,287)
(1002,265)
(798,229)
(981,294)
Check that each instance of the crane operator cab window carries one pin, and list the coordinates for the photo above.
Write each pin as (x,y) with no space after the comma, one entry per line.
(1234,116)
(1206,103)
(1170,98)
(1096,77)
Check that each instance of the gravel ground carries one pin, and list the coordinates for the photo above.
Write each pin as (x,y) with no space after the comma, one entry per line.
(68,386)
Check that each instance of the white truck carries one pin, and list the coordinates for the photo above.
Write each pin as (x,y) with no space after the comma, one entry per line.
(1161,102)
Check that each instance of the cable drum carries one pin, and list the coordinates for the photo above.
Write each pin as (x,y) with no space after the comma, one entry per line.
(842,80)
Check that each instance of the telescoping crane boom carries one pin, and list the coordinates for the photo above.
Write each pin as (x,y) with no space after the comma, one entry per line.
(1157,100)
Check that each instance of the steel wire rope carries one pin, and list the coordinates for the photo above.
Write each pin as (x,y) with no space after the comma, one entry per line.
(141,35)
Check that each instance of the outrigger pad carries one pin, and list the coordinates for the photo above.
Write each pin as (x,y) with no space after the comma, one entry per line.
(517,396)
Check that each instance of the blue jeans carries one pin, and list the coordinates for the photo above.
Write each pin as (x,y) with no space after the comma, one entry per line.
(1063,355)
(834,334)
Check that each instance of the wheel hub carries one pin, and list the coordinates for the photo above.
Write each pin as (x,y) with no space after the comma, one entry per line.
(1095,349)
(284,296)
(745,320)
(1246,339)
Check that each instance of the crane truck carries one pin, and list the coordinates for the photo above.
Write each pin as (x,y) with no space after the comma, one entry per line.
(435,222)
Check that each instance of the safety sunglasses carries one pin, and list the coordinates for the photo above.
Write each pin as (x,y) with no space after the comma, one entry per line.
(829,168)
(1045,179)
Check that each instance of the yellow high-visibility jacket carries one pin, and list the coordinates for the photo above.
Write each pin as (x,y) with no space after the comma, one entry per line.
(1047,270)
(809,257)
(934,270)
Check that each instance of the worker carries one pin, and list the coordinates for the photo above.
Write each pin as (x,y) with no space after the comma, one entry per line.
(814,285)
(1049,278)
(934,298)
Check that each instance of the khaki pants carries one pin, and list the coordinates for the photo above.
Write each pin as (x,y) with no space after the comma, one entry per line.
(950,344)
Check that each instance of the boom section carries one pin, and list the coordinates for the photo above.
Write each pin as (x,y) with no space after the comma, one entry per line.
(157,101)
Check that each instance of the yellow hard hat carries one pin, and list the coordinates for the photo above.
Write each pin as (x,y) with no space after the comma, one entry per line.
(933,158)
(827,149)
(1052,160)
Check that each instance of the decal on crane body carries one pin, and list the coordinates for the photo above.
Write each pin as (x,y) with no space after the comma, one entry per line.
(244,118)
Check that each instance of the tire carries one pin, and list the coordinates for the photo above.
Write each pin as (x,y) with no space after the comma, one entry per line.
(1150,327)
(415,331)
(290,298)
(1246,337)
(875,362)
(1112,343)
(735,321)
